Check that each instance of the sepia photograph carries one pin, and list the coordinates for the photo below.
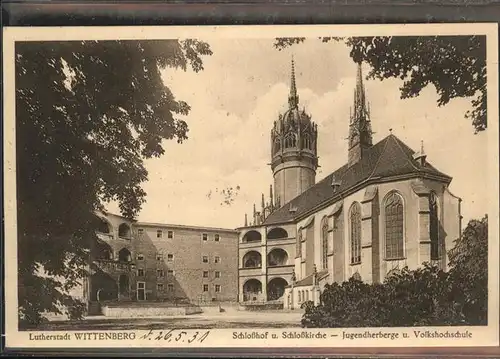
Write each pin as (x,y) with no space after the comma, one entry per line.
(278,181)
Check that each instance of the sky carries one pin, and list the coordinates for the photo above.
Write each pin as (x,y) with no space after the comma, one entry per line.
(239,95)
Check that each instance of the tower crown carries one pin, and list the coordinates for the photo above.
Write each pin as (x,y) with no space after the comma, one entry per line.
(293,148)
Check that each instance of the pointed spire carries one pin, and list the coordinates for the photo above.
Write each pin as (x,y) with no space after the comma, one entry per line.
(271,195)
(420,157)
(246,220)
(293,98)
(263,203)
(254,210)
(360,133)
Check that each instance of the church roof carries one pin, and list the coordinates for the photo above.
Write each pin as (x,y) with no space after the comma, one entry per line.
(385,160)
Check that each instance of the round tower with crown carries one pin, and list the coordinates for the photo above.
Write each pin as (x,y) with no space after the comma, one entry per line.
(293,150)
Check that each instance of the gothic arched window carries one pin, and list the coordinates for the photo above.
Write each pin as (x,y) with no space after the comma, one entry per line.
(434,226)
(324,243)
(306,142)
(290,140)
(355,232)
(277,145)
(394,236)
(298,244)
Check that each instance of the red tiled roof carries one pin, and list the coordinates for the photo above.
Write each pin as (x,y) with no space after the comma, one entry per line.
(388,158)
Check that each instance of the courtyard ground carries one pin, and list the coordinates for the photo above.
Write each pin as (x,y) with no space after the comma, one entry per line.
(237,319)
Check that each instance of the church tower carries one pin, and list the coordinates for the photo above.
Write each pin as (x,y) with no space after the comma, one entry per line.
(360,131)
(293,150)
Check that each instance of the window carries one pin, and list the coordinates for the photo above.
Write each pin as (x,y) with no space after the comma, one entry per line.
(159,256)
(217,288)
(434,226)
(394,227)
(355,233)
(290,140)
(170,234)
(159,287)
(205,274)
(160,273)
(204,236)
(140,231)
(217,274)
(217,259)
(205,287)
(306,142)
(205,259)
(140,256)
(140,272)
(217,238)
(159,233)
(170,287)
(170,257)
(324,239)
(170,273)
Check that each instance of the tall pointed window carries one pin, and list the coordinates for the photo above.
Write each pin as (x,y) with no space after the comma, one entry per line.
(277,145)
(324,243)
(394,236)
(290,140)
(306,142)
(434,226)
(355,233)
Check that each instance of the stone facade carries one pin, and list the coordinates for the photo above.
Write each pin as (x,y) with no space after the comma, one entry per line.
(161,262)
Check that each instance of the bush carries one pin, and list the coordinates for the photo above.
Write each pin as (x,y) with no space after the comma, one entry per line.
(426,296)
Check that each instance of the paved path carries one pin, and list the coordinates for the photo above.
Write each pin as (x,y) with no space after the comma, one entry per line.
(201,321)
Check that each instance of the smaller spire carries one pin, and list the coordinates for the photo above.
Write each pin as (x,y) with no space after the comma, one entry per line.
(420,156)
(246,220)
(263,203)
(271,195)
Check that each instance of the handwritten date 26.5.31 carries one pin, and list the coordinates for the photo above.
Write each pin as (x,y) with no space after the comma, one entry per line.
(179,336)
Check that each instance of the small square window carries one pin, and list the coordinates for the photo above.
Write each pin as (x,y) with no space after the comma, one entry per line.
(160,273)
(205,259)
(159,233)
(170,234)
(217,259)
(170,257)
(170,273)
(204,236)
(159,287)
(217,288)
(170,287)
(217,238)
(140,231)
(159,256)
(140,272)
(205,274)
(205,287)
(140,257)
(217,274)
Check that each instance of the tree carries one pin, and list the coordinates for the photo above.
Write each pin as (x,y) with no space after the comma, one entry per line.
(455,65)
(87,114)
(469,272)
(427,296)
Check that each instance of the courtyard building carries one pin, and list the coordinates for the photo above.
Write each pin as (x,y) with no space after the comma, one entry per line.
(386,208)
(140,262)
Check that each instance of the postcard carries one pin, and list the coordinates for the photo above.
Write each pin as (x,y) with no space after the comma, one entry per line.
(326,186)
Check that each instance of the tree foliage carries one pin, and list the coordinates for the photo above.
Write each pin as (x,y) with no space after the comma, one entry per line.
(426,296)
(454,65)
(87,114)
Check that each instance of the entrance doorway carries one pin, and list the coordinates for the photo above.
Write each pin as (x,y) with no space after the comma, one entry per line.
(141,290)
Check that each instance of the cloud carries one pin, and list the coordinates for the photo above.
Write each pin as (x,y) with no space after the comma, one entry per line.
(239,95)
